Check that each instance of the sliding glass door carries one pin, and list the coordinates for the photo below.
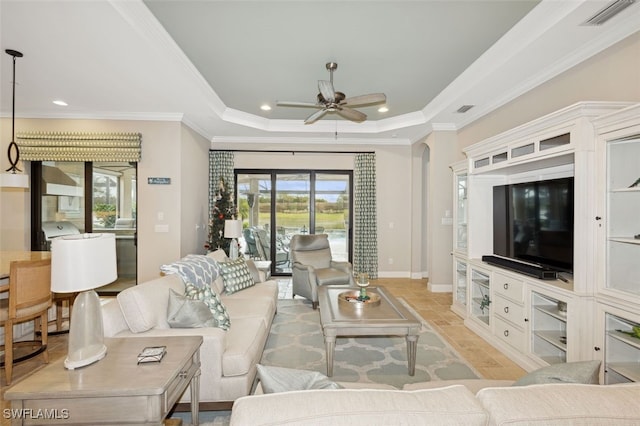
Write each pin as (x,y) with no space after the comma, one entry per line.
(77,197)
(293,202)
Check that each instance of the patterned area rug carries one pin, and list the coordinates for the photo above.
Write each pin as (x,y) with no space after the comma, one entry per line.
(296,341)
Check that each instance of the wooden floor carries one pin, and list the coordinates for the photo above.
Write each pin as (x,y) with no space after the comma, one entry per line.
(434,307)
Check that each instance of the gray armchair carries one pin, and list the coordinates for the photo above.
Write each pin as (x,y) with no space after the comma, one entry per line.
(312,266)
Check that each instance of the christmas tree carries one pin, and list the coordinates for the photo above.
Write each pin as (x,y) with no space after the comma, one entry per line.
(223,209)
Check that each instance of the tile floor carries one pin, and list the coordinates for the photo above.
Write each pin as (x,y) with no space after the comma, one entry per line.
(434,307)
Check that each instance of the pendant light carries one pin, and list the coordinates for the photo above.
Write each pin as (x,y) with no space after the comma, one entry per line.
(13,179)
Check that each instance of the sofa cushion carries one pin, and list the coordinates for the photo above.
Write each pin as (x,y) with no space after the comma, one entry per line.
(244,343)
(279,379)
(184,312)
(144,306)
(474,385)
(213,302)
(236,275)
(453,405)
(587,372)
(562,404)
(196,269)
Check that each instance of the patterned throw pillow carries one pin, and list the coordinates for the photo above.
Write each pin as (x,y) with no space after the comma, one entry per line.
(236,275)
(212,300)
(195,269)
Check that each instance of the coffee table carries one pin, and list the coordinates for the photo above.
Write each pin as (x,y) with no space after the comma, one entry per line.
(113,391)
(388,318)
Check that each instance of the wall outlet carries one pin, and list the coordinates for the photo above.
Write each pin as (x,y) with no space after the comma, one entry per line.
(390,261)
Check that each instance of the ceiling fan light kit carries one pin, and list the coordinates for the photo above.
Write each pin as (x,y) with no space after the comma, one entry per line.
(330,100)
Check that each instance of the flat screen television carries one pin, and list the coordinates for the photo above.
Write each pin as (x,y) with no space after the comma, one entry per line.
(533,223)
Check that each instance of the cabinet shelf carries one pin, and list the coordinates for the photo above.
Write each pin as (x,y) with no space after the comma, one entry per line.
(553,337)
(634,189)
(625,240)
(551,310)
(635,342)
(630,370)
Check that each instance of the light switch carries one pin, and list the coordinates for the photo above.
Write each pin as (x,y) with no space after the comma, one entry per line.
(162,228)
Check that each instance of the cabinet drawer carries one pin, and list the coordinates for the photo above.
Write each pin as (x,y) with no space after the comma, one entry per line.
(509,333)
(508,310)
(509,287)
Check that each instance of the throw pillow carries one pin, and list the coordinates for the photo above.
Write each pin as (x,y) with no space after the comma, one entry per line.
(212,300)
(255,272)
(196,269)
(183,312)
(279,379)
(236,275)
(585,372)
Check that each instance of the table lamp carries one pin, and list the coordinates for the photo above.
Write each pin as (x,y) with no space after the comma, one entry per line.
(81,263)
(233,230)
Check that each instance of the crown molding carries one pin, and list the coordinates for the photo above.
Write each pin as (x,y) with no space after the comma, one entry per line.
(302,140)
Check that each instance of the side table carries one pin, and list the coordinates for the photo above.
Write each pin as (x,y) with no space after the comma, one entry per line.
(113,391)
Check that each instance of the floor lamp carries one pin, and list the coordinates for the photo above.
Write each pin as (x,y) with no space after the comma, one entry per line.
(81,263)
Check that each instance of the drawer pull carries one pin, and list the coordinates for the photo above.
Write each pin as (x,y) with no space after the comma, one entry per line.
(183,374)
(506,333)
(506,309)
(506,286)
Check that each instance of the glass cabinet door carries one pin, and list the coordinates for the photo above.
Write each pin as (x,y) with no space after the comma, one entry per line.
(461,212)
(623,223)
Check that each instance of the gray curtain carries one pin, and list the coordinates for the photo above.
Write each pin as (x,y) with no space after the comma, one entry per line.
(365,240)
(221,164)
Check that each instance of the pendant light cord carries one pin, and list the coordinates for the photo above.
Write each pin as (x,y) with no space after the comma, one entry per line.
(13,146)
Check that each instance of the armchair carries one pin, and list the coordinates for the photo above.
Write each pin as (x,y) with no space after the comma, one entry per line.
(312,266)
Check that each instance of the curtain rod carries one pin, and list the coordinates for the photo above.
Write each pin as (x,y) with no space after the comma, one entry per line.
(285,151)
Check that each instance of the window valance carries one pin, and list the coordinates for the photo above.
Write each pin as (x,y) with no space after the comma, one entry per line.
(66,146)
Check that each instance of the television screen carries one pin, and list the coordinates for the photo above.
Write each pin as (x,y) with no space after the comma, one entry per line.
(533,222)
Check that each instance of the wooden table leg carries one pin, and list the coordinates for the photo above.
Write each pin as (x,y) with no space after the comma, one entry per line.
(330,344)
(412,347)
(195,399)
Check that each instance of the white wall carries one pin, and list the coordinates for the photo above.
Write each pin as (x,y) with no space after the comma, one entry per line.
(180,205)
(394,189)
(612,75)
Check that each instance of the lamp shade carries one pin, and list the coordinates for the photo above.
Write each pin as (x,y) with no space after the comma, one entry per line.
(232,228)
(82,262)
(14,180)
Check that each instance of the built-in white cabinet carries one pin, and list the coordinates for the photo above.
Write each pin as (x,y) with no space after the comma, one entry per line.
(538,322)
(618,221)
(460,285)
(480,290)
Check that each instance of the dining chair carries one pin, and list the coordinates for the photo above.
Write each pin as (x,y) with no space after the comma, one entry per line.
(29,299)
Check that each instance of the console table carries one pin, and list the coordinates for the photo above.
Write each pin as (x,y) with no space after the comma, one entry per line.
(115,390)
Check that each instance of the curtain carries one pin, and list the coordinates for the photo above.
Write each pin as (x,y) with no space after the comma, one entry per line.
(221,167)
(82,147)
(365,240)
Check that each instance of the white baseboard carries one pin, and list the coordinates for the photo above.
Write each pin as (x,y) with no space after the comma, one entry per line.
(440,288)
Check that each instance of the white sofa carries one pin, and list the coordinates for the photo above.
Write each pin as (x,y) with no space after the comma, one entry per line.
(228,358)
(469,402)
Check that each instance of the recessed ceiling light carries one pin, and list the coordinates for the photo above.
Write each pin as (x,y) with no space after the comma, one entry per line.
(383,109)
(265,107)
(60,102)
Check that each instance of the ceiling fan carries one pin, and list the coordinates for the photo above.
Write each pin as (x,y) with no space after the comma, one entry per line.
(329,100)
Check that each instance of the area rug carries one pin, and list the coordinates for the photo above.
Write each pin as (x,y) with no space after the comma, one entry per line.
(296,341)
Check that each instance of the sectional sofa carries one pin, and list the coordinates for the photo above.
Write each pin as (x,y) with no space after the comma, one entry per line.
(470,402)
(228,357)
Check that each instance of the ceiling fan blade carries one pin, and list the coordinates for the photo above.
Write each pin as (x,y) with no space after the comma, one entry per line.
(326,90)
(315,116)
(352,114)
(362,100)
(298,104)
